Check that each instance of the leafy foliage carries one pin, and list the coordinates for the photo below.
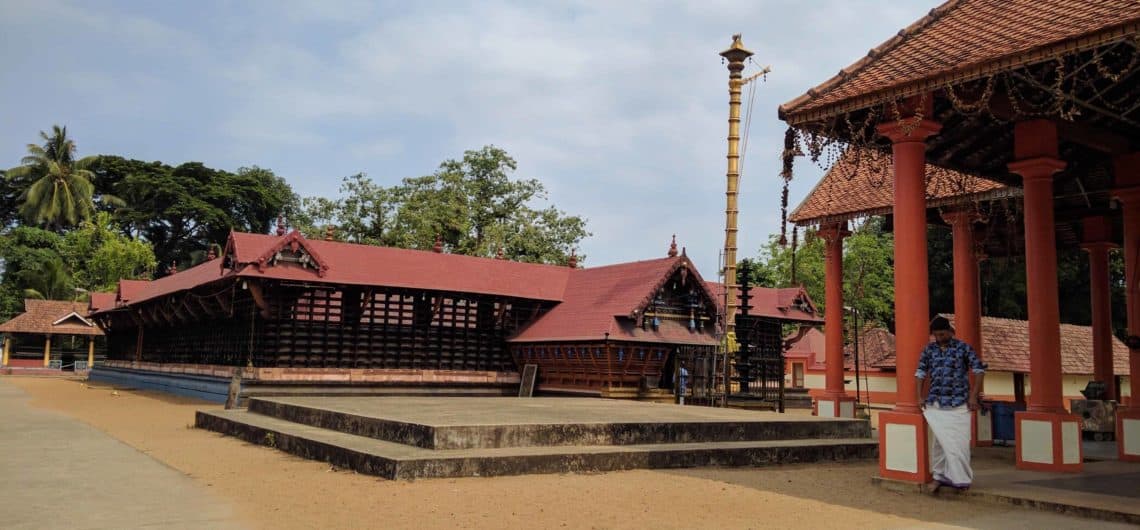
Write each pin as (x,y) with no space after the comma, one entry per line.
(182,210)
(32,267)
(472,204)
(868,280)
(98,255)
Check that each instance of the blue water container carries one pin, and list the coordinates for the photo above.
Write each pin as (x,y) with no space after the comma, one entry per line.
(1002,413)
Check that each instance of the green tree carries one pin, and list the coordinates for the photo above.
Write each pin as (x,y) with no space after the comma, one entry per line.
(473,204)
(100,256)
(868,280)
(60,193)
(181,210)
(32,268)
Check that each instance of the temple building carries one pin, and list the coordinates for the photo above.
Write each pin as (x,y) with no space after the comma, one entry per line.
(295,311)
(1029,110)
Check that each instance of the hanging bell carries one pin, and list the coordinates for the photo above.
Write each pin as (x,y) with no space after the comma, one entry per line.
(656,323)
(692,324)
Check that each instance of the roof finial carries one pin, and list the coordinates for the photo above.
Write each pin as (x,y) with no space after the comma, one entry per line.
(683,253)
(330,235)
(210,254)
(673,247)
(280,224)
(499,254)
(573,261)
(438,247)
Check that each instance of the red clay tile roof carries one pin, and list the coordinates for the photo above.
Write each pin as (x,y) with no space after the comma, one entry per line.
(51,317)
(860,184)
(199,275)
(602,300)
(129,290)
(962,40)
(1005,348)
(785,303)
(876,351)
(812,347)
(100,301)
(354,264)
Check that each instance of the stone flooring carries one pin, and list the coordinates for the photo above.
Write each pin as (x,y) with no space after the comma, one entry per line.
(60,473)
(1106,490)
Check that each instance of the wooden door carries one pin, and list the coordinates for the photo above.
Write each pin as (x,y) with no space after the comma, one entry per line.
(797,375)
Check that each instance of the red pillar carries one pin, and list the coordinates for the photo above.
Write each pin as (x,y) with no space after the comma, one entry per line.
(1127,176)
(967,300)
(1047,437)
(967,291)
(835,402)
(903,450)
(1097,241)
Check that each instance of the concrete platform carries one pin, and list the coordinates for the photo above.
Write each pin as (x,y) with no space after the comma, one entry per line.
(412,437)
(472,423)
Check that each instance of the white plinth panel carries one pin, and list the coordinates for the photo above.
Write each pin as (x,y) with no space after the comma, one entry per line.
(1070,442)
(902,447)
(1131,436)
(847,409)
(1037,441)
(825,409)
(985,426)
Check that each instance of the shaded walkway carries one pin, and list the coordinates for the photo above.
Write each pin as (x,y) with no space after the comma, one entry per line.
(61,473)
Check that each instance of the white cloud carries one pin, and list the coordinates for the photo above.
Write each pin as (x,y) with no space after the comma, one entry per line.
(618,107)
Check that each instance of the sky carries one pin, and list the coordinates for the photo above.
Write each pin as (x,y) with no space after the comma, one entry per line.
(618,107)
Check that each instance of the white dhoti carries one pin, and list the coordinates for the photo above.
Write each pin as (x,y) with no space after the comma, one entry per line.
(950,452)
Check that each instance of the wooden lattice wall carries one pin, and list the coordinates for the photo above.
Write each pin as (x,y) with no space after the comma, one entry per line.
(283,325)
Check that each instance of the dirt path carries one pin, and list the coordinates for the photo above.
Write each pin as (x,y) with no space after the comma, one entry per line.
(270,489)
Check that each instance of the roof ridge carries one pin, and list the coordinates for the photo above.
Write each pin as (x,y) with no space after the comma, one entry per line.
(628,263)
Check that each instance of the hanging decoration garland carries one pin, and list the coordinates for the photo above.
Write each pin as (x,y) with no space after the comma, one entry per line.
(1040,90)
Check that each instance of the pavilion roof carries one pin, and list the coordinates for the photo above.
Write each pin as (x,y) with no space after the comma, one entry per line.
(602,300)
(783,303)
(963,40)
(861,184)
(1005,348)
(52,317)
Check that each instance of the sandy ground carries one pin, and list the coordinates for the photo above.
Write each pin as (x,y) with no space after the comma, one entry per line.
(271,489)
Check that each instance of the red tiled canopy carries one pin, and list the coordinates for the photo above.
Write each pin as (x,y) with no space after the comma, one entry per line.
(861,183)
(597,298)
(962,40)
(784,303)
(1005,348)
(52,317)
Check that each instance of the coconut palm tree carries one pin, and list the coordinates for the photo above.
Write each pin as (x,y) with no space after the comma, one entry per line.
(61,191)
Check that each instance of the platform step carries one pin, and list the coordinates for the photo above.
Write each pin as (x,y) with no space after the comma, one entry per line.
(398,461)
(474,423)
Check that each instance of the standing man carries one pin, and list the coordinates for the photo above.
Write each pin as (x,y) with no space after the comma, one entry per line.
(946,363)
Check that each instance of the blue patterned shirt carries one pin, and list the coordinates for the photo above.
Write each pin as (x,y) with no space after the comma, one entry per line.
(949,372)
